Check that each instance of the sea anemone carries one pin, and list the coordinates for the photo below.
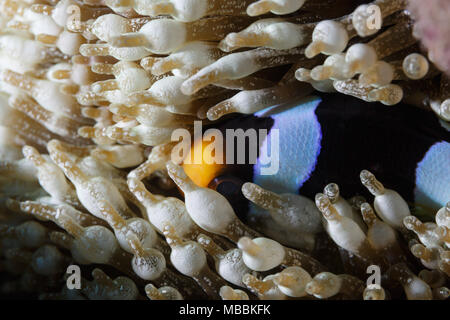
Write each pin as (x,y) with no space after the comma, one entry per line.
(92,92)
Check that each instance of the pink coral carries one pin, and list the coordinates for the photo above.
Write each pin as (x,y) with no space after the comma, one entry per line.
(432,27)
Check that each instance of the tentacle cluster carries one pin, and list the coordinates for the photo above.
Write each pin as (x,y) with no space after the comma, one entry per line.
(89,102)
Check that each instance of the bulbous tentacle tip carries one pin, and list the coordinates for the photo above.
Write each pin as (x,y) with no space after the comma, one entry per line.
(171,235)
(412,223)
(54,145)
(356,202)
(388,95)
(173,168)
(134,184)
(228,293)
(314,49)
(69,89)
(421,252)
(203,239)
(166,293)
(248,246)
(163,293)
(331,191)
(152,292)
(322,202)
(30,152)
(303,74)
(374,292)
(313,288)
(415,66)
(89,112)
(42,9)
(369,180)
(87,132)
(444,110)
(368,214)
(129,40)
(161,66)
(221,109)
(261,197)
(100,276)
(366,176)
(117,133)
(260,287)
(156,9)
(443,233)
(324,285)
(259,8)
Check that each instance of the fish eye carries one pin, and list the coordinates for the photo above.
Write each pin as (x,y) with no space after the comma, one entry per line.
(227,185)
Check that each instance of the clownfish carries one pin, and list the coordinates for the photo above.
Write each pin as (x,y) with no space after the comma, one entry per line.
(332,138)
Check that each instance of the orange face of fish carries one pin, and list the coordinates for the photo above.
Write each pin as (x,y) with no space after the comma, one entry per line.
(205,161)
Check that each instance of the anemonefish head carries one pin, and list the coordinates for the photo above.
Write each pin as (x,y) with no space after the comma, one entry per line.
(205,160)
